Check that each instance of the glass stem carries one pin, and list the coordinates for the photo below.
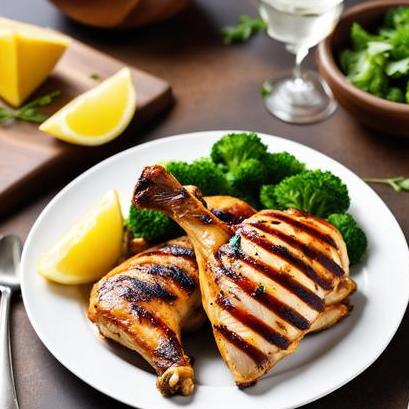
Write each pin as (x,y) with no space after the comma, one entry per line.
(299,58)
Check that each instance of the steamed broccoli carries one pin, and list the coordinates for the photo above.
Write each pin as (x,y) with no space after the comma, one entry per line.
(267,197)
(282,164)
(354,237)
(242,156)
(151,225)
(250,175)
(203,173)
(233,149)
(317,192)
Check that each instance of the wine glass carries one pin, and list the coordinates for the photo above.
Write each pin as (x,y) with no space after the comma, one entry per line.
(301,97)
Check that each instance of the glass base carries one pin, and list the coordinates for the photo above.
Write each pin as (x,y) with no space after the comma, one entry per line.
(299,100)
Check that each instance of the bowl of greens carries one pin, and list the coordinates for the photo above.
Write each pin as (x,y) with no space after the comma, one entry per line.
(365,61)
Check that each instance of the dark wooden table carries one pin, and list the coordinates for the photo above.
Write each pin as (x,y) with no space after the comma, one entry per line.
(216,87)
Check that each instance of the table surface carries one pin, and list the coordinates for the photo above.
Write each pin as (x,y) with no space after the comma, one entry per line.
(216,87)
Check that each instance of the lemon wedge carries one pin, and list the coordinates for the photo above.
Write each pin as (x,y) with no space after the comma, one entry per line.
(27,56)
(98,115)
(89,249)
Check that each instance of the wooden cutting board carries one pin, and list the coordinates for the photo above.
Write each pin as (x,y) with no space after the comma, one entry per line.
(30,158)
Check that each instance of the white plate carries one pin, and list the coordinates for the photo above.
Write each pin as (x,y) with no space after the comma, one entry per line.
(323,362)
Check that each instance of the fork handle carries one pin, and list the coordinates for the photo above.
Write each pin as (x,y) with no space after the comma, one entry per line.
(8,396)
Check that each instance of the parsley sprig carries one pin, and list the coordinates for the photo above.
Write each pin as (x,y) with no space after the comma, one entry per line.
(243,30)
(28,112)
(399,184)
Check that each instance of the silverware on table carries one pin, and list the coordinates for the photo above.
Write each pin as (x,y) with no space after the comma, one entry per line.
(10,252)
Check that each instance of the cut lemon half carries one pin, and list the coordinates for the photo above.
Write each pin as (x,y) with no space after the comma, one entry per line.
(89,249)
(97,116)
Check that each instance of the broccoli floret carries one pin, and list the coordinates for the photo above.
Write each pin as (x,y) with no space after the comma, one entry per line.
(267,197)
(317,192)
(354,237)
(203,173)
(242,157)
(282,164)
(250,175)
(151,225)
(279,166)
(233,149)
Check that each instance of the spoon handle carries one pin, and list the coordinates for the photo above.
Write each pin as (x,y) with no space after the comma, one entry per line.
(8,396)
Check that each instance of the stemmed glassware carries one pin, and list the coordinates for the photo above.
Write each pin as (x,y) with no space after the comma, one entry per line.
(301,97)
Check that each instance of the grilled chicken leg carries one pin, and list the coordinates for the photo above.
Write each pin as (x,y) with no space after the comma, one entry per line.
(147,301)
(264,288)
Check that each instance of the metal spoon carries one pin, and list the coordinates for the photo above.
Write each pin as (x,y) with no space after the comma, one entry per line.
(10,252)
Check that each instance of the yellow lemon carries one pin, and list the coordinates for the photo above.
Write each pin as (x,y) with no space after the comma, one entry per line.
(27,56)
(98,115)
(89,249)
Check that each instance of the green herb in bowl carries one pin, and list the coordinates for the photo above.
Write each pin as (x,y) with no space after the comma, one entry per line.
(378,62)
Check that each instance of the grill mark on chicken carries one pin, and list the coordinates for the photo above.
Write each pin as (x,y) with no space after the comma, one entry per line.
(285,280)
(284,311)
(176,274)
(254,323)
(308,251)
(134,290)
(226,217)
(303,226)
(170,350)
(250,350)
(283,253)
(172,249)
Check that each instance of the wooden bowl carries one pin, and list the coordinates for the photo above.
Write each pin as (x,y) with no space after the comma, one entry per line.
(120,13)
(374,112)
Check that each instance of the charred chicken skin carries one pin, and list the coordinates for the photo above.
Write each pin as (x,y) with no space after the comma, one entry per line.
(264,286)
(148,300)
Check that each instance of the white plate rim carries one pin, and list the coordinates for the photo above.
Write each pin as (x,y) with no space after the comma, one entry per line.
(176,138)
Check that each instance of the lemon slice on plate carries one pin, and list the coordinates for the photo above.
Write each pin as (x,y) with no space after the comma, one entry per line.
(89,249)
(97,116)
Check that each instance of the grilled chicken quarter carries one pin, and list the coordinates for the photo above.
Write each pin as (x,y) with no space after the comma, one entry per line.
(279,276)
